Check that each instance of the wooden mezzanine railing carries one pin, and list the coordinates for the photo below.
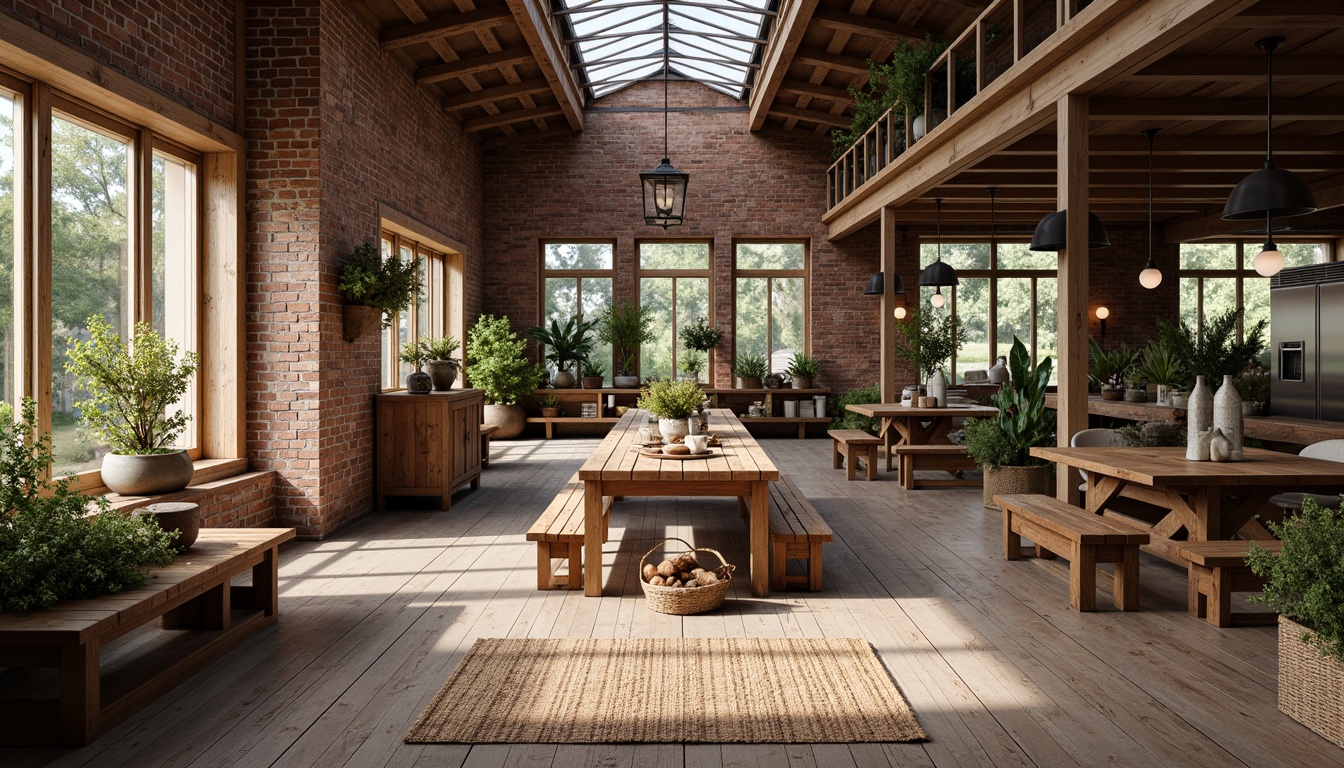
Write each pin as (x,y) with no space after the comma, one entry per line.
(1001,35)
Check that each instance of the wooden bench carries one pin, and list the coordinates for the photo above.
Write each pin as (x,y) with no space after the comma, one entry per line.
(1217,569)
(797,532)
(851,445)
(947,457)
(559,536)
(486,431)
(1058,527)
(192,596)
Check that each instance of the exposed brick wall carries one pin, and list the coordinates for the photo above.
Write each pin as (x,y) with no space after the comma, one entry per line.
(335,127)
(133,38)
(245,501)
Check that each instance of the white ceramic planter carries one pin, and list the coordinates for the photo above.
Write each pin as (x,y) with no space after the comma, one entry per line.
(670,428)
(132,475)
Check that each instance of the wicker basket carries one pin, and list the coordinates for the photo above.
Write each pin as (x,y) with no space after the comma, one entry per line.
(1311,687)
(680,601)
(1000,481)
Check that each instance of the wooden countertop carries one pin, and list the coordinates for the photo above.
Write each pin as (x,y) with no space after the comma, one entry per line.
(1276,429)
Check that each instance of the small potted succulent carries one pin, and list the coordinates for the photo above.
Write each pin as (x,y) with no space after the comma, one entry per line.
(496,365)
(1160,366)
(593,373)
(749,369)
(672,402)
(375,287)
(440,363)
(803,370)
(625,327)
(565,345)
(550,406)
(130,389)
(417,382)
(692,363)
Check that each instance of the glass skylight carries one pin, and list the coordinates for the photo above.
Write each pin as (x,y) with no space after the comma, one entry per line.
(620,42)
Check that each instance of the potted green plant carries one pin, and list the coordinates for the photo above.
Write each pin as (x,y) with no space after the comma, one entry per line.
(375,287)
(497,365)
(700,336)
(51,547)
(625,327)
(1253,386)
(926,339)
(550,406)
(1214,352)
(1136,387)
(129,392)
(417,381)
(803,370)
(1305,584)
(1109,368)
(672,402)
(440,363)
(593,373)
(1159,365)
(749,369)
(692,363)
(565,345)
(1002,445)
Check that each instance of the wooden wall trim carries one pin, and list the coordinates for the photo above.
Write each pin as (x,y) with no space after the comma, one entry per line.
(409,226)
(223,307)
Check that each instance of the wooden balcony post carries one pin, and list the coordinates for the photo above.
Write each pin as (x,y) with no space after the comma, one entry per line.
(887,358)
(1071,120)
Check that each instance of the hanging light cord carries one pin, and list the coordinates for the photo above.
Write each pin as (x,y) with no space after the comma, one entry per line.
(1152,132)
(939,202)
(992,226)
(666,44)
(1269,104)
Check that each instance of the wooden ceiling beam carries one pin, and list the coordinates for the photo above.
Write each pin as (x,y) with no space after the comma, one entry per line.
(1289,14)
(1229,109)
(1005,164)
(858,24)
(444,26)
(785,38)
(435,73)
(1243,68)
(1329,193)
(816,91)
(1198,144)
(491,95)
(516,116)
(543,39)
(851,64)
(810,115)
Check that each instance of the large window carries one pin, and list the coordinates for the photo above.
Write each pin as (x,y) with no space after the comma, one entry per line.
(577,277)
(674,287)
(429,314)
(771,301)
(10,367)
(1005,291)
(1216,277)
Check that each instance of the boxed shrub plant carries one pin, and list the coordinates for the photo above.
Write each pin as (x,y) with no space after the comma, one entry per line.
(498,367)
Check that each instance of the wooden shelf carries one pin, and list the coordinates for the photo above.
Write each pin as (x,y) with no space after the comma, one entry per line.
(551,421)
(801,421)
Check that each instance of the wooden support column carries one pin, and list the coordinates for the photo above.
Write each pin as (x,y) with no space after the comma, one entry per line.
(1071,121)
(887,322)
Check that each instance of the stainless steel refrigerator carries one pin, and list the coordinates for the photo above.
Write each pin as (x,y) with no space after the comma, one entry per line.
(1306,327)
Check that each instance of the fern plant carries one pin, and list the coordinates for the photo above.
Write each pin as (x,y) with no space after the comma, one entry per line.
(386,283)
(1214,352)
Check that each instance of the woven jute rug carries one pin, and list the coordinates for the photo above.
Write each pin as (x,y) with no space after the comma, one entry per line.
(596,691)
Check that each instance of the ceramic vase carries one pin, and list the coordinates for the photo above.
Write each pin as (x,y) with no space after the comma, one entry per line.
(1227,417)
(1199,420)
(419,382)
(938,388)
(670,428)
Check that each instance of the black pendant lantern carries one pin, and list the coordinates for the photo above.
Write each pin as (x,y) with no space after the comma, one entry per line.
(664,187)
(876,285)
(1151,276)
(1269,192)
(938,273)
(1052,233)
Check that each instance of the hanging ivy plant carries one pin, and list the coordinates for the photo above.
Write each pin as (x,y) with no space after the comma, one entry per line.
(900,79)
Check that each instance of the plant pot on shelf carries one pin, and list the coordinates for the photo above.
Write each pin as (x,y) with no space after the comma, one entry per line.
(550,413)
(1004,480)
(1311,686)
(358,319)
(181,516)
(443,373)
(1136,395)
(509,418)
(1178,398)
(148,474)
(802,382)
(748,383)
(1112,393)
(625,382)
(418,382)
(592,382)
(563,380)
(1252,408)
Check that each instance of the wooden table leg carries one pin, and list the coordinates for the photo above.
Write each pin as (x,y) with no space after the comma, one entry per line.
(760,538)
(1207,502)
(592,538)
(81,697)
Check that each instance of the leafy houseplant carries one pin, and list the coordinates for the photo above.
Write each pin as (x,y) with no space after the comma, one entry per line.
(550,406)
(565,345)
(129,393)
(749,369)
(625,327)
(700,335)
(925,339)
(1110,367)
(672,402)
(898,81)
(374,286)
(1305,583)
(693,362)
(593,372)
(1214,352)
(847,419)
(413,354)
(1002,445)
(498,367)
(51,549)
(1159,365)
(802,370)
(440,363)
(1253,386)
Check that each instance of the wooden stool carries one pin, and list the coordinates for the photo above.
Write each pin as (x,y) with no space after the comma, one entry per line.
(1217,569)
(851,444)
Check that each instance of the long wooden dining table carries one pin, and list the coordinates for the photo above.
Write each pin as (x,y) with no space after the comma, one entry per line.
(1207,500)
(738,467)
(910,425)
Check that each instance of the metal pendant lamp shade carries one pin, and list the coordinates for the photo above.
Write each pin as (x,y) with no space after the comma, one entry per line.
(876,285)
(1052,233)
(939,273)
(1270,191)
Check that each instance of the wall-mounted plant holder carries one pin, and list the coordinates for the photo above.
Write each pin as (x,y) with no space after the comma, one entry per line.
(358,319)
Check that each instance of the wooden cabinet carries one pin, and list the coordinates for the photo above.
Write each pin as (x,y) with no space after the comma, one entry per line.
(427,445)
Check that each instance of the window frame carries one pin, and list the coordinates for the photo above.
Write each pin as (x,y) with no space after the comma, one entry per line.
(1239,273)
(771,274)
(675,274)
(442,271)
(544,273)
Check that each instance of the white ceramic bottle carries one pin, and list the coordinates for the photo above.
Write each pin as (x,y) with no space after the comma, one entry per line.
(1199,419)
(938,388)
(1227,418)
